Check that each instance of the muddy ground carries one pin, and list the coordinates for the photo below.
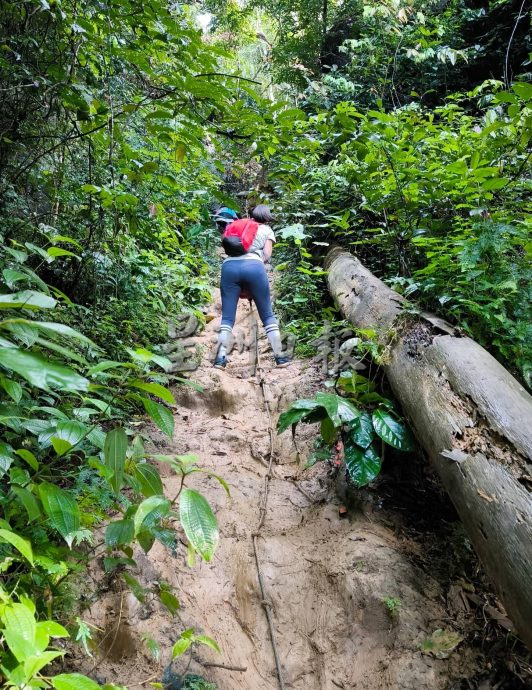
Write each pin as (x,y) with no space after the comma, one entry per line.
(328,577)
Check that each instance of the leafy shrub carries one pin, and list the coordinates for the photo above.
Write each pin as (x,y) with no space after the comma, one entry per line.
(360,419)
(67,457)
(434,201)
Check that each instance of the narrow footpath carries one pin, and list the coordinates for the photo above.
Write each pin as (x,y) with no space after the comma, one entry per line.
(326,578)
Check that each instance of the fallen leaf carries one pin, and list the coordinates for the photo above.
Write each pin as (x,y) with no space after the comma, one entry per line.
(441,643)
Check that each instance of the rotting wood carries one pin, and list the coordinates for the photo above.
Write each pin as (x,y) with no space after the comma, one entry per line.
(457,398)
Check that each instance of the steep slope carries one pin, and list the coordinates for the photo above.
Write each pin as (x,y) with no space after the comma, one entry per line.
(326,577)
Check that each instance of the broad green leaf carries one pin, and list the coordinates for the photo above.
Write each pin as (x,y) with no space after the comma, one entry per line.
(35,663)
(22,545)
(12,276)
(180,152)
(145,356)
(327,430)
(60,446)
(65,238)
(296,231)
(28,457)
(165,535)
(199,523)
(41,372)
(73,681)
(109,364)
(12,388)
(339,409)
(208,641)
(20,631)
(155,651)
(65,352)
(54,252)
(61,509)
(6,458)
(494,183)
(146,539)
(97,437)
(161,416)
(27,299)
(180,647)
(115,449)
(361,430)
(119,533)
(68,430)
(191,556)
(101,405)
(52,629)
(138,452)
(135,586)
(394,433)
(53,328)
(169,601)
(523,89)
(22,333)
(295,413)
(28,500)
(149,479)
(20,256)
(154,508)
(362,464)
(155,389)
(28,603)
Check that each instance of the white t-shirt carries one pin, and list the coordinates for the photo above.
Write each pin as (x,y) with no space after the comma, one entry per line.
(264,233)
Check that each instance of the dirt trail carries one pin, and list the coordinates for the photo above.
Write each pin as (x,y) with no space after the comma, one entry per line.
(326,577)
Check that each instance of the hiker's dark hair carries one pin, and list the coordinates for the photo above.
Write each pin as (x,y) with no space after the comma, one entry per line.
(262,214)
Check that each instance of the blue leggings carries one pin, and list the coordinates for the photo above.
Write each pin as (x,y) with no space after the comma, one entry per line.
(250,275)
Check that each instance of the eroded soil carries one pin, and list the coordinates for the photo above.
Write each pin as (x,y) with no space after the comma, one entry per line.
(327,577)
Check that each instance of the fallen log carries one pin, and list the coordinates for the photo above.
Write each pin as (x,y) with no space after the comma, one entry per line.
(472,418)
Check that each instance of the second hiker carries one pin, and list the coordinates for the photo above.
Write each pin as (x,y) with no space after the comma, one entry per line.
(248,243)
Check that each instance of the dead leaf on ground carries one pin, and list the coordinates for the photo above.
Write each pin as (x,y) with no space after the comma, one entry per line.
(492,612)
(441,643)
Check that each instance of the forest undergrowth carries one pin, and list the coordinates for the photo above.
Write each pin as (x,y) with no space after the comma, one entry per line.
(400,131)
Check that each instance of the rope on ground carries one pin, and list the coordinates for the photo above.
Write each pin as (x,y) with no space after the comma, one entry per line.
(265,602)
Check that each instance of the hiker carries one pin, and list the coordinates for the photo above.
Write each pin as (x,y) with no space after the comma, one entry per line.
(248,243)
(223,217)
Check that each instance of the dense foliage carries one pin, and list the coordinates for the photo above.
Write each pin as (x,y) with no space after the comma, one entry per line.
(435,201)
(362,419)
(111,126)
(400,130)
(110,153)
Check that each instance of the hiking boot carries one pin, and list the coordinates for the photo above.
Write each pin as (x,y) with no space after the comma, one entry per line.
(281,361)
(220,362)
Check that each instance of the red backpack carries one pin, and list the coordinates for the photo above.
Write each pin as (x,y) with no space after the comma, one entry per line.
(238,236)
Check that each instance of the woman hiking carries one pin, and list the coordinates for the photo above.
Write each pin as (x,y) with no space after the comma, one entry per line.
(249,244)
(223,217)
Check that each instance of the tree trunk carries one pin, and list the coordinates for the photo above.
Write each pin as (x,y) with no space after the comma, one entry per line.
(473,419)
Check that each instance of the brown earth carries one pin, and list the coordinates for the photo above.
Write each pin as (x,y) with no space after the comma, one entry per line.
(327,577)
